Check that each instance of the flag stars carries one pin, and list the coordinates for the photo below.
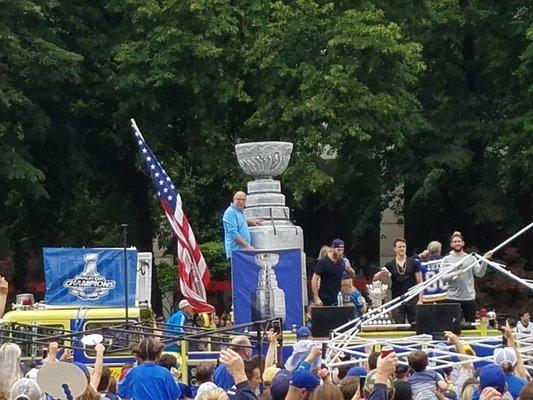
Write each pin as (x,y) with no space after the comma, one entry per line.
(161,181)
(145,151)
(157,176)
(165,190)
(172,186)
(152,166)
(140,142)
(149,158)
(170,197)
(168,178)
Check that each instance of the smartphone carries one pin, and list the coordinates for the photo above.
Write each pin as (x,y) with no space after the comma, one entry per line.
(362,380)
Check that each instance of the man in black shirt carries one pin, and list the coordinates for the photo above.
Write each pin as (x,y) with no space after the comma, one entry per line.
(326,281)
(404,273)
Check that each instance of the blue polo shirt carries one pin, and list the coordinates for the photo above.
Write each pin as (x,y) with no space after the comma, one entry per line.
(178,318)
(234,225)
(149,381)
(222,377)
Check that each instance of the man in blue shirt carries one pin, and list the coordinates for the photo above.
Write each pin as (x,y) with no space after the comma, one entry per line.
(222,376)
(236,233)
(180,318)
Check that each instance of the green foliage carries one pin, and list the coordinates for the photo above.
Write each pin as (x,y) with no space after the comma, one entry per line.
(434,95)
(216,261)
(167,276)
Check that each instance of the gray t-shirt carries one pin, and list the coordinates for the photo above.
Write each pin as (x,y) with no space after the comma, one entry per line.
(462,287)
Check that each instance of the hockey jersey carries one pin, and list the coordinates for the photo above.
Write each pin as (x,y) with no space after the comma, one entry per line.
(429,267)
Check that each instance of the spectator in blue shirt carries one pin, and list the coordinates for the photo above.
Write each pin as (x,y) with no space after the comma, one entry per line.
(236,233)
(149,381)
(179,319)
(222,376)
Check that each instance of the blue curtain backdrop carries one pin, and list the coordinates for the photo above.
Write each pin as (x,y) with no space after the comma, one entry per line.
(245,273)
(89,277)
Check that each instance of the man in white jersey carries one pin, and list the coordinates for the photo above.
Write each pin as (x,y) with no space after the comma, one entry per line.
(430,266)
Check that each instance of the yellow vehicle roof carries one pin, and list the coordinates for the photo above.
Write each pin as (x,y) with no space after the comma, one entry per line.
(58,314)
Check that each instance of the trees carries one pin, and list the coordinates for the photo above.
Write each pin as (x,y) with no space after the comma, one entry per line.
(372,93)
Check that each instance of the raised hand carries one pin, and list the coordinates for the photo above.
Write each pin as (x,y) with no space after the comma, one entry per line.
(4,286)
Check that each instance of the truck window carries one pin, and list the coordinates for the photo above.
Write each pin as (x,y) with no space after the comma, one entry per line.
(25,335)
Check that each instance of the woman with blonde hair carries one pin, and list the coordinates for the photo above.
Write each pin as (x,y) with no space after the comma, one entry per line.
(213,394)
(10,370)
(323,251)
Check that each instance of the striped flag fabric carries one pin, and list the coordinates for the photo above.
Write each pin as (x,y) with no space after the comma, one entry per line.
(193,271)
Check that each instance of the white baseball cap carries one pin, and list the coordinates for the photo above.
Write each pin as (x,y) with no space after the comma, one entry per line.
(184,303)
(506,354)
(27,389)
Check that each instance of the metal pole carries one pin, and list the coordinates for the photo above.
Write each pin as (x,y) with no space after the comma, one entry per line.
(125,243)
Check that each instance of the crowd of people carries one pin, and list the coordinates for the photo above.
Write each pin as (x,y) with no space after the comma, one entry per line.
(243,375)
(333,275)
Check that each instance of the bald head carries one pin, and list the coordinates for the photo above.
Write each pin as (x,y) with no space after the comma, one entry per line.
(239,200)
(237,344)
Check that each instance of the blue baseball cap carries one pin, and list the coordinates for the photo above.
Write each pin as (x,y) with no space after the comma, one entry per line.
(337,243)
(492,375)
(280,385)
(303,332)
(356,371)
(305,380)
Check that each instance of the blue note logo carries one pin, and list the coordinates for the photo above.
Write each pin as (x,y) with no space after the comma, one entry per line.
(89,285)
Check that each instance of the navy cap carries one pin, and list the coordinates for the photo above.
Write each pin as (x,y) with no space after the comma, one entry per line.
(303,332)
(356,371)
(492,375)
(305,380)
(280,385)
(337,243)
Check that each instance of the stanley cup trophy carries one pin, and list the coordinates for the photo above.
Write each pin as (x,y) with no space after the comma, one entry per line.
(268,301)
(264,161)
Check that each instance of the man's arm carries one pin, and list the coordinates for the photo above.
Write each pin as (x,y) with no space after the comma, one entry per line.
(481,268)
(454,339)
(98,366)
(53,349)
(418,277)
(230,229)
(520,370)
(314,354)
(272,351)
(315,283)
(243,243)
(4,290)
(384,370)
(382,273)
(235,366)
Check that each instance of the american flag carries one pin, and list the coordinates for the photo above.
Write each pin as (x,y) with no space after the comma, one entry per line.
(193,271)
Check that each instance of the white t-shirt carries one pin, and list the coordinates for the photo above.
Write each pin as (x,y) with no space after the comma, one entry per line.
(528,330)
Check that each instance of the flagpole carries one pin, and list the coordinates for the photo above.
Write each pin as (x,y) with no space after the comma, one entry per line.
(125,239)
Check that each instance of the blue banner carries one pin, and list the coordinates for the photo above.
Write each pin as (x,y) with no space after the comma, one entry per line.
(267,284)
(88,277)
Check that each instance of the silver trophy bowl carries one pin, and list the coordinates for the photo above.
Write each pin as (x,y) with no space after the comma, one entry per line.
(264,160)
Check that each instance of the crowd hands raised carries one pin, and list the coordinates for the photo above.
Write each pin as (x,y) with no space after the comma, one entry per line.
(242,376)
(385,378)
